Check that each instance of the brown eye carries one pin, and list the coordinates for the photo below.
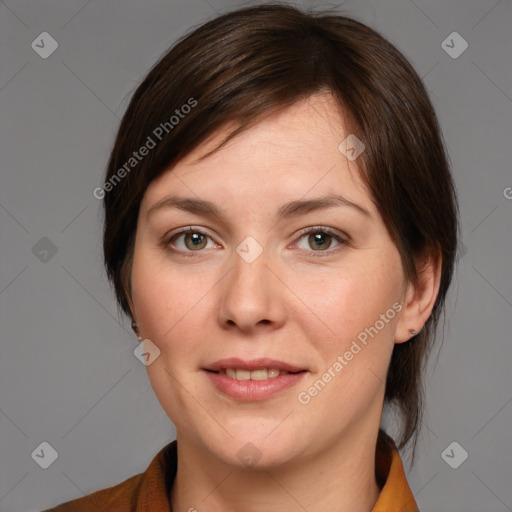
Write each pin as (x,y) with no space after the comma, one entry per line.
(320,239)
(188,240)
(194,241)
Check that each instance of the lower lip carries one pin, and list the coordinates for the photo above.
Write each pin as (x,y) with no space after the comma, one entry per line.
(253,389)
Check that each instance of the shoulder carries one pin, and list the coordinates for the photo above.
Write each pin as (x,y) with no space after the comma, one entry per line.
(119,497)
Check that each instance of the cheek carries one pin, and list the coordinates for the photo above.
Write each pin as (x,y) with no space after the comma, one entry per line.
(338,307)
(164,301)
(167,302)
(152,295)
(360,309)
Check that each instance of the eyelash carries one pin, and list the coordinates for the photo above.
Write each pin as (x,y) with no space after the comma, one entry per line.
(302,234)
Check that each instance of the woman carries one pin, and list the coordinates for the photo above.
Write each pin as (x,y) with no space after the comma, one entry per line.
(280,226)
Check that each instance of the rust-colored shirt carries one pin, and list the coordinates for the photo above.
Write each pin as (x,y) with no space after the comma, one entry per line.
(149,491)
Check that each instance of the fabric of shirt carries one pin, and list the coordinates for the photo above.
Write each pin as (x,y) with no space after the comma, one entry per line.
(149,491)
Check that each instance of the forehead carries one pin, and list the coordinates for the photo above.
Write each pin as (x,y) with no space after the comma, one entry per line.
(290,154)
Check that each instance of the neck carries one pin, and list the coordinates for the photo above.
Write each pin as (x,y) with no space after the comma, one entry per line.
(340,478)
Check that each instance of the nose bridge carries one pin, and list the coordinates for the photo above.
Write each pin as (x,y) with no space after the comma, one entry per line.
(249,295)
(250,267)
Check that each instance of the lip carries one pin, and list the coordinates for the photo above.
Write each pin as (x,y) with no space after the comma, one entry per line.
(253,390)
(253,364)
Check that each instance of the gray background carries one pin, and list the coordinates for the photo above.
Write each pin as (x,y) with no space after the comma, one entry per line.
(68,375)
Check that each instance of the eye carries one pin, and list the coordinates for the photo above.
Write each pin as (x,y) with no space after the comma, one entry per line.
(320,239)
(193,240)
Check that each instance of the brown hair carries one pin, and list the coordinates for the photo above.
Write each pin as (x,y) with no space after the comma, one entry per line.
(253,62)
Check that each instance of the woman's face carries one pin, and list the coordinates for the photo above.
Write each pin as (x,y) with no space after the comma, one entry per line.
(248,283)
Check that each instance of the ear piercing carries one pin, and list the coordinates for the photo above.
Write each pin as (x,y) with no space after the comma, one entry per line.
(413,332)
(136,330)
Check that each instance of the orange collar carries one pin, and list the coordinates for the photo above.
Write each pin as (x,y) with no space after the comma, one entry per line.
(395,494)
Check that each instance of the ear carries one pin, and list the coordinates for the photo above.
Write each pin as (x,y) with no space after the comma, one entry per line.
(420,296)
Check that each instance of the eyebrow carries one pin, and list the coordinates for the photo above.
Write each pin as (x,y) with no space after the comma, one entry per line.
(288,210)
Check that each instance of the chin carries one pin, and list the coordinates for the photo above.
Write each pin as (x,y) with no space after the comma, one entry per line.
(255,449)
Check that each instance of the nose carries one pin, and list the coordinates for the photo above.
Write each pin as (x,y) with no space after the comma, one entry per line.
(252,296)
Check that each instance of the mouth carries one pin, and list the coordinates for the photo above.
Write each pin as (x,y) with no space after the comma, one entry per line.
(255,369)
(257,379)
(258,374)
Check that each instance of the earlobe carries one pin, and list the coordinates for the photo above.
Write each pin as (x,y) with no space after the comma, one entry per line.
(136,330)
(420,297)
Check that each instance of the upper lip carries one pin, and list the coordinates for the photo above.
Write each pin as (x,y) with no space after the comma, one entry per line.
(253,364)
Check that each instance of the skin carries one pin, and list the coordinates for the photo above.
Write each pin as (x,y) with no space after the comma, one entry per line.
(201,305)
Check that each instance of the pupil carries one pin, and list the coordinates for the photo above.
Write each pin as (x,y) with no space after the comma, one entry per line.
(196,239)
(319,239)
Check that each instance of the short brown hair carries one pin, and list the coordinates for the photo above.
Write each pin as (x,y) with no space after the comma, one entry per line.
(253,62)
